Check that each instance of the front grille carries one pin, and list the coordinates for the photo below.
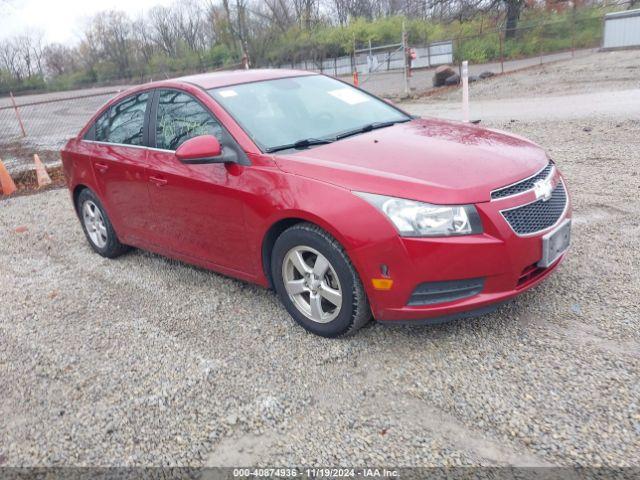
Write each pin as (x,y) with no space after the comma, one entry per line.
(523,186)
(437,292)
(538,215)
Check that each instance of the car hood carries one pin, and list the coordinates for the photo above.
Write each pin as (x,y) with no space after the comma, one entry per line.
(429,160)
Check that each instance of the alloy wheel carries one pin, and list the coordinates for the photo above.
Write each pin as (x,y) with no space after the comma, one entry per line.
(312,284)
(94,223)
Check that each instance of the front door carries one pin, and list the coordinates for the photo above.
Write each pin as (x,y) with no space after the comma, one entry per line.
(198,208)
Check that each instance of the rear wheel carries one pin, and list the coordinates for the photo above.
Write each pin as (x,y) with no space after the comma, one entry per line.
(97,226)
(317,283)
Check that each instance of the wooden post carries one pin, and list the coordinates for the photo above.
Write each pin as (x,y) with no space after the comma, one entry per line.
(540,44)
(15,107)
(465,91)
(245,56)
(540,48)
(354,66)
(501,52)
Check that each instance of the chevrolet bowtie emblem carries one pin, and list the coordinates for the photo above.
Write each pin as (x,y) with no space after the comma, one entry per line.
(543,189)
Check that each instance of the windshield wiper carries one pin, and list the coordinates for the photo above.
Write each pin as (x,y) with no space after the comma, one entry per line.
(308,142)
(368,128)
(304,143)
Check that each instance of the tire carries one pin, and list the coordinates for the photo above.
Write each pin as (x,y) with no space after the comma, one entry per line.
(98,228)
(310,298)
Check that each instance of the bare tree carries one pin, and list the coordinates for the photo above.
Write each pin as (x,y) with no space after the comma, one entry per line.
(115,33)
(164,29)
(10,58)
(306,12)
(189,24)
(59,59)
(143,40)
(345,10)
(279,14)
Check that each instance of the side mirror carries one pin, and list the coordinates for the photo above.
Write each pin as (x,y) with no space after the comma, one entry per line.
(202,149)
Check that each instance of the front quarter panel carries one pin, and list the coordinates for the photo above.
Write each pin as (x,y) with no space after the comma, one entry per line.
(348,218)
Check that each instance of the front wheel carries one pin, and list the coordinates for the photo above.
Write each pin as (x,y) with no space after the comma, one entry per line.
(317,283)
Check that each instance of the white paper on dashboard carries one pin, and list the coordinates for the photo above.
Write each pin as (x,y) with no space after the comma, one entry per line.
(349,95)
(228,93)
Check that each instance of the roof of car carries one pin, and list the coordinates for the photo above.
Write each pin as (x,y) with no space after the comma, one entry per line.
(235,77)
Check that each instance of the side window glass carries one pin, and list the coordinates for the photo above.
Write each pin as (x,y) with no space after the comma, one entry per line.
(102,127)
(126,121)
(180,117)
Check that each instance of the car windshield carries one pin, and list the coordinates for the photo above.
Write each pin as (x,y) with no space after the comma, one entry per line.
(299,112)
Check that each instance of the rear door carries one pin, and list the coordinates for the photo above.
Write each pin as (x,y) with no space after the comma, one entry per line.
(198,208)
(119,159)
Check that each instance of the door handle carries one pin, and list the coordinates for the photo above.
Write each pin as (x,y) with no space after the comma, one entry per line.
(157,181)
(101,167)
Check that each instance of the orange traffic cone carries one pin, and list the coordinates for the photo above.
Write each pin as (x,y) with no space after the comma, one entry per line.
(8,187)
(355,78)
(41,172)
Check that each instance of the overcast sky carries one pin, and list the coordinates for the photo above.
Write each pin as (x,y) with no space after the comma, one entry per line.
(61,20)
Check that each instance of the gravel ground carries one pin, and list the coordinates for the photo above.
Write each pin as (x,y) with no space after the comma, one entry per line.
(147,361)
(587,73)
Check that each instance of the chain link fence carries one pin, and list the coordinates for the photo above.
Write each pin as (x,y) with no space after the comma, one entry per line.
(42,124)
(381,68)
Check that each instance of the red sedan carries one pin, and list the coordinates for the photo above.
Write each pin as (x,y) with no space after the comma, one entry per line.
(346,205)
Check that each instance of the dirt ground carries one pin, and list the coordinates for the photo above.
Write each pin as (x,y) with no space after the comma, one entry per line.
(596,72)
(391,84)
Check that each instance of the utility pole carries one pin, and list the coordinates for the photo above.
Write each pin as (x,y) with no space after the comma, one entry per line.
(404,56)
(573,30)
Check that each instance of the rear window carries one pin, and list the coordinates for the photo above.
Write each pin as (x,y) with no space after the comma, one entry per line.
(122,123)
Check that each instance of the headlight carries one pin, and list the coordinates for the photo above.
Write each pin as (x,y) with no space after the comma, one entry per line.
(418,219)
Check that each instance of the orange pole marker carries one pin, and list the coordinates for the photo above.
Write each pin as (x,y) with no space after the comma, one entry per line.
(355,78)
(8,187)
(41,172)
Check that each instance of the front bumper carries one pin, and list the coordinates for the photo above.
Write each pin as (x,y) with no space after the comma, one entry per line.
(506,261)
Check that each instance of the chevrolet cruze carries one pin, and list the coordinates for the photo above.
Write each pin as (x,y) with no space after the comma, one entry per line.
(347,206)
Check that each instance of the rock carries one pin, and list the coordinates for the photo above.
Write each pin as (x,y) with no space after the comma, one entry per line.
(486,74)
(442,73)
(452,80)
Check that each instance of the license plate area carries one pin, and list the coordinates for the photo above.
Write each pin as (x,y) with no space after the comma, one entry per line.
(555,243)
